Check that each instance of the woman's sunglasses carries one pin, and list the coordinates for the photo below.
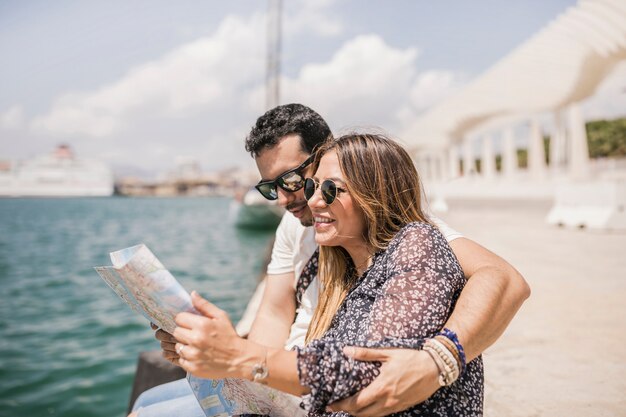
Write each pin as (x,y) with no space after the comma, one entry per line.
(289,181)
(328,187)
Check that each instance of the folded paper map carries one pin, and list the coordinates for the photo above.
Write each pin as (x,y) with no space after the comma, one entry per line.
(232,397)
(142,282)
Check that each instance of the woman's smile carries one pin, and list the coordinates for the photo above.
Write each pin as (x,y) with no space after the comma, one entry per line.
(321,222)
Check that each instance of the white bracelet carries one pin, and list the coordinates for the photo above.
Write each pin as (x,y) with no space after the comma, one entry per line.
(260,371)
(445,361)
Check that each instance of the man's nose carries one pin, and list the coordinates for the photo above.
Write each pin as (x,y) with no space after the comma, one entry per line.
(284,197)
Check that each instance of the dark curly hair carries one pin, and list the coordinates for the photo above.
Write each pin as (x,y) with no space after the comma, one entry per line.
(286,120)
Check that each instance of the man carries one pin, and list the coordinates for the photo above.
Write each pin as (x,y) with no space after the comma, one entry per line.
(281,143)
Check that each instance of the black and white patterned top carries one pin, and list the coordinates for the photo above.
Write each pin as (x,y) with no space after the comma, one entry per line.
(308,274)
(404,297)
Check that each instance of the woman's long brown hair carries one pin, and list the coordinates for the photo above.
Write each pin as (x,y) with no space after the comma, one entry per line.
(382,180)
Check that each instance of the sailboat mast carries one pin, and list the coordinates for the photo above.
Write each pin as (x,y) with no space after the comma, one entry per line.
(272,80)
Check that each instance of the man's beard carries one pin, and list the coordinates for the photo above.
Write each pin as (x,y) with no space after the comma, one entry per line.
(307,222)
(307,219)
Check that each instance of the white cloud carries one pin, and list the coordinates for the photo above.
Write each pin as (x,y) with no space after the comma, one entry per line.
(368,82)
(12,118)
(202,97)
(200,73)
(428,89)
(433,86)
(363,82)
(311,17)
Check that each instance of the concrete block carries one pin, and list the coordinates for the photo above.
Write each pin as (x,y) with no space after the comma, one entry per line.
(152,370)
(597,205)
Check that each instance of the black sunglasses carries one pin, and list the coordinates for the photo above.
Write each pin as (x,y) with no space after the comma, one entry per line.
(328,187)
(289,181)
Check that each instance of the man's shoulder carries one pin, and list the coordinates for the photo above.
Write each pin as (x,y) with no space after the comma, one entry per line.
(290,230)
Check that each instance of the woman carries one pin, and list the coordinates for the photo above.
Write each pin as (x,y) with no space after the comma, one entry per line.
(389,280)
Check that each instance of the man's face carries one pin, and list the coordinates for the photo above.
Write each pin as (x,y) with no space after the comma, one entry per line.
(284,156)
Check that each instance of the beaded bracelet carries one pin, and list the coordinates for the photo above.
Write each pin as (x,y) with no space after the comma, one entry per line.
(439,364)
(450,346)
(455,339)
(454,370)
(445,361)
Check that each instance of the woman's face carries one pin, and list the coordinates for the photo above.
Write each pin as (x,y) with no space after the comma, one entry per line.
(340,223)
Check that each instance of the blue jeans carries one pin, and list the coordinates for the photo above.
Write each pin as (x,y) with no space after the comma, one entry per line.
(171,399)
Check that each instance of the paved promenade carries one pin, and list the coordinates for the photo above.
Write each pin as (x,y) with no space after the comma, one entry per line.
(565,352)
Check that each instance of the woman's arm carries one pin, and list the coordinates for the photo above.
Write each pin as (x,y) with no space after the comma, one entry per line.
(414,304)
(422,281)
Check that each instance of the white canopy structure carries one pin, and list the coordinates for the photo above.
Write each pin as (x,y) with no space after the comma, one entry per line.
(558,67)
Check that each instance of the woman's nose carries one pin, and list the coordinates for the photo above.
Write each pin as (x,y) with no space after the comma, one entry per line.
(316,199)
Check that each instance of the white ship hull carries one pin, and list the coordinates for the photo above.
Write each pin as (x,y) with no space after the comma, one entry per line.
(255,212)
(56,175)
(56,190)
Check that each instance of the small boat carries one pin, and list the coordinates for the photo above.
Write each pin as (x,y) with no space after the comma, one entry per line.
(251,210)
(58,174)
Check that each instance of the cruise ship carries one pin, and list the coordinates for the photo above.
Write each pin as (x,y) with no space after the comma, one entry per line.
(58,174)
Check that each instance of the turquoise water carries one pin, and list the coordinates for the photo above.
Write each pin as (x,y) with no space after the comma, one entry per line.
(68,346)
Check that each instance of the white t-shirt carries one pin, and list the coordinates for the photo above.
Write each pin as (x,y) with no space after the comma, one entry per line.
(293,247)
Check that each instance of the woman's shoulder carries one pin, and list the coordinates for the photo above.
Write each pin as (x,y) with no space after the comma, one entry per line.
(421,230)
(416,242)
(416,237)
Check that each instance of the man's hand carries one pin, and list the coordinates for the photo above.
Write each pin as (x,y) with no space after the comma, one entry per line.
(407,377)
(168,344)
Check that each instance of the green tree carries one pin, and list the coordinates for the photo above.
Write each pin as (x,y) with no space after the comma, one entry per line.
(607,138)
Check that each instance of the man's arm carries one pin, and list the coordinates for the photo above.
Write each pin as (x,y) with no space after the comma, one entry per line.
(493,294)
(276,313)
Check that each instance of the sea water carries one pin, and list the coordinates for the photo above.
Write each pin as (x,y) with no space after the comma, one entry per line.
(68,345)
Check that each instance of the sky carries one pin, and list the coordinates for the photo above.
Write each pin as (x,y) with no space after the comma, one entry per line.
(138,83)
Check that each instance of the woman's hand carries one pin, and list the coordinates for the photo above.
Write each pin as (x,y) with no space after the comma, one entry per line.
(208,345)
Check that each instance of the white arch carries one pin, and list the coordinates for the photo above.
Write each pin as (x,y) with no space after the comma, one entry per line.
(561,64)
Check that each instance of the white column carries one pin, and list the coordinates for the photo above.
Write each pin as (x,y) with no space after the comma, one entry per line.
(454,168)
(509,154)
(578,157)
(536,152)
(434,166)
(488,159)
(443,162)
(557,143)
(423,165)
(468,158)
(439,158)
(419,164)
(428,167)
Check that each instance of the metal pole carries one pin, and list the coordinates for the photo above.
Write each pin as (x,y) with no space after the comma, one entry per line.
(272,80)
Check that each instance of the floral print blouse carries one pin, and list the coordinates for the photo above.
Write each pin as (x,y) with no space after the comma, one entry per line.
(404,297)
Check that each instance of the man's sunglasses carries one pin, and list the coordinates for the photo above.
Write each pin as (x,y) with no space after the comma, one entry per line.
(328,187)
(289,181)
